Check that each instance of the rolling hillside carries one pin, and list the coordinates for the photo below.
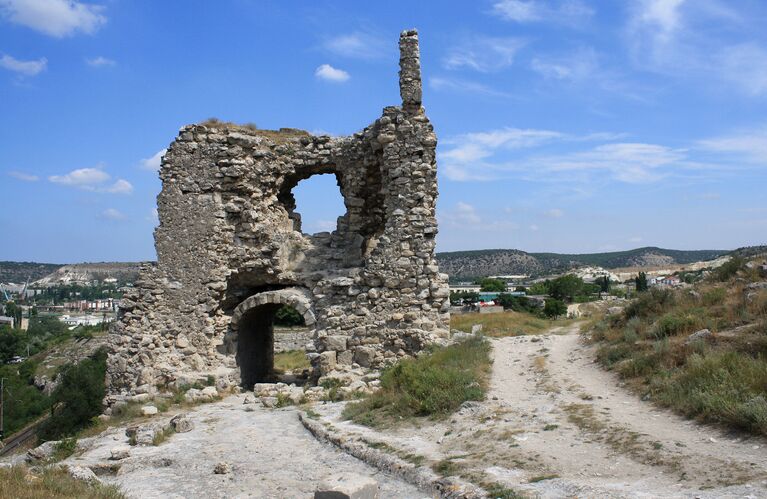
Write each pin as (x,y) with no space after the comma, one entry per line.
(468,265)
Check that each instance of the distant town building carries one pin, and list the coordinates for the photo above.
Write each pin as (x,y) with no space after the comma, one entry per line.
(84,320)
(7,321)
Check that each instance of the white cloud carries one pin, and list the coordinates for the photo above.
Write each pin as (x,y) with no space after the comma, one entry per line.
(325,225)
(747,145)
(92,179)
(635,239)
(534,228)
(484,54)
(465,216)
(329,73)
(464,86)
(113,214)
(100,61)
(57,18)
(661,14)
(83,177)
(485,156)
(26,177)
(358,45)
(153,163)
(153,216)
(554,213)
(25,68)
(119,187)
(572,12)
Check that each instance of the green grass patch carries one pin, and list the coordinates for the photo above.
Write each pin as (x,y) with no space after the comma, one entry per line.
(433,385)
(502,324)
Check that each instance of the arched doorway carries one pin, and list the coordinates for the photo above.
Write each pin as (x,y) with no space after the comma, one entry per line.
(253,328)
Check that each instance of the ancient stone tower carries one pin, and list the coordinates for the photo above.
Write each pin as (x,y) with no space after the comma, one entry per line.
(231,251)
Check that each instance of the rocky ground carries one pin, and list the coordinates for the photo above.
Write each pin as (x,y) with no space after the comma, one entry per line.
(232,450)
(556,425)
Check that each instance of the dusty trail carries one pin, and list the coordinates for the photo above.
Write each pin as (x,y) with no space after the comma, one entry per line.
(599,434)
(556,425)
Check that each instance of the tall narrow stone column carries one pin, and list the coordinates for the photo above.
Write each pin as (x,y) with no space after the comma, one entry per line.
(410,71)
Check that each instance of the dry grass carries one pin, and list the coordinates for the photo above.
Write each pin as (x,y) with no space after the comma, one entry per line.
(507,323)
(292,360)
(19,482)
(278,136)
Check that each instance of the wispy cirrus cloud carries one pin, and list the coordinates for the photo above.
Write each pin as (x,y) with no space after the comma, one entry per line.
(329,73)
(113,214)
(93,180)
(56,18)
(568,12)
(357,45)
(745,145)
(23,68)
(26,177)
(484,54)
(518,153)
(100,61)
(465,86)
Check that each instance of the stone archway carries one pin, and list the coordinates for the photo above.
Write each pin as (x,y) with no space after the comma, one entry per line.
(253,331)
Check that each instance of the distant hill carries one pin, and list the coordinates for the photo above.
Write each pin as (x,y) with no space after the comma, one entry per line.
(53,273)
(19,272)
(469,265)
(88,272)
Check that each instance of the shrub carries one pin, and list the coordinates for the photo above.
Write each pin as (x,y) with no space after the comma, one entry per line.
(672,324)
(714,296)
(654,302)
(728,269)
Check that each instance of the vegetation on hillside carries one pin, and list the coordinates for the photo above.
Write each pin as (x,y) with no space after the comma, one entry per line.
(718,376)
(433,385)
(508,323)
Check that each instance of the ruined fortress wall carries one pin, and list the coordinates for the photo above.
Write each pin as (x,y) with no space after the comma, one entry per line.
(230,245)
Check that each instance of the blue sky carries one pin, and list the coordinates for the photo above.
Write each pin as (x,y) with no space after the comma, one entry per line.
(564,125)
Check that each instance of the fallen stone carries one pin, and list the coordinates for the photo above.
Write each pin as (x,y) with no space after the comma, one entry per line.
(347,487)
(614,310)
(149,410)
(702,335)
(181,424)
(222,468)
(249,399)
(209,392)
(83,474)
(42,452)
(476,328)
(118,453)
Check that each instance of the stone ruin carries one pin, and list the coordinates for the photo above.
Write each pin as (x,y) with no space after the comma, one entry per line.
(230,252)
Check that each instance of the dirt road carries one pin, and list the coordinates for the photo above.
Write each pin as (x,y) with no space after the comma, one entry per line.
(556,425)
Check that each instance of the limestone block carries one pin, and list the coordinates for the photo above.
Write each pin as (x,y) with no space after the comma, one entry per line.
(364,356)
(337,343)
(181,423)
(347,486)
(118,453)
(149,410)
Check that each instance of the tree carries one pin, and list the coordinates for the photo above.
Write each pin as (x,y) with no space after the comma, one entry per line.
(554,308)
(78,397)
(288,316)
(515,303)
(461,297)
(492,285)
(641,282)
(603,283)
(566,287)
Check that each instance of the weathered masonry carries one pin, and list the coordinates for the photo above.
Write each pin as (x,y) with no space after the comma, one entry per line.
(231,251)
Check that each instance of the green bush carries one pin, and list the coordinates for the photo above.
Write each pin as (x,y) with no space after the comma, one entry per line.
(435,384)
(728,269)
(672,324)
(288,316)
(651,303)
(77,398)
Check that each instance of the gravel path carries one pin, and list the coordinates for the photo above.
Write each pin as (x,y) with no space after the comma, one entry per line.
(271,456)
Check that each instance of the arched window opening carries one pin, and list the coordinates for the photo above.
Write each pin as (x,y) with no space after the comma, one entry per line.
(318,204)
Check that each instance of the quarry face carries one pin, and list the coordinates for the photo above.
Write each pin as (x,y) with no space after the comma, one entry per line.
(231,251)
